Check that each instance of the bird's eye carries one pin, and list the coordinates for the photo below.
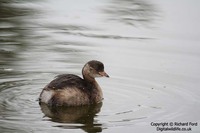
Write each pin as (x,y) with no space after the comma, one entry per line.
(91,68)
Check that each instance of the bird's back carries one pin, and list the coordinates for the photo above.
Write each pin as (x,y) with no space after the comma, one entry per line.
(66,81)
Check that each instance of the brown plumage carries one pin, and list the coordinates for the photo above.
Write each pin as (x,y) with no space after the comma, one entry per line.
(72,90)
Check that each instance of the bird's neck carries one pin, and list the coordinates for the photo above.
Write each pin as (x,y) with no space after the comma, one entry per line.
(86,76)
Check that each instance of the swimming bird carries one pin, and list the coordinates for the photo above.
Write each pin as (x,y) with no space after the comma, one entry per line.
(72,90)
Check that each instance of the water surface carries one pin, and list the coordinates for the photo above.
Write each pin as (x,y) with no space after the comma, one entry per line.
(150,49)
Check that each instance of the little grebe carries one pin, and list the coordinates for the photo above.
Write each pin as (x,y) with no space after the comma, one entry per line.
(72,90)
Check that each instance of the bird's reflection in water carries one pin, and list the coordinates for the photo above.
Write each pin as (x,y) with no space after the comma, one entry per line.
(75,117)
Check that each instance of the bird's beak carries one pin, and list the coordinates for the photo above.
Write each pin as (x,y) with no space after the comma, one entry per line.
(104,74)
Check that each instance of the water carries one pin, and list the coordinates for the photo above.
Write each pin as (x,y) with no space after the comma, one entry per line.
(150,49)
